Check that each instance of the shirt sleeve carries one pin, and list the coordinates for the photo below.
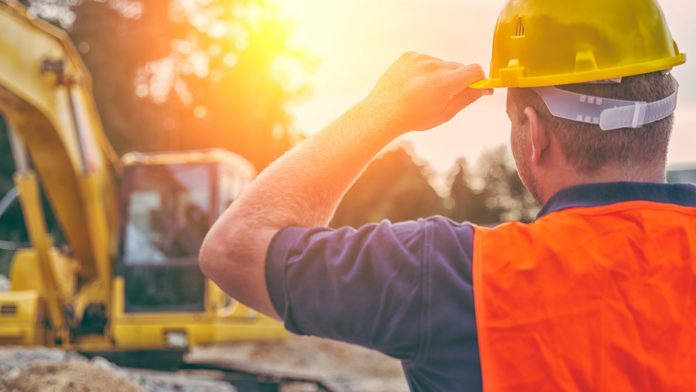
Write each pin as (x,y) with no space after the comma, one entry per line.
(369,286)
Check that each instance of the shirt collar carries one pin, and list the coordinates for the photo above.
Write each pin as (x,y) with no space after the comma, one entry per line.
(597,195)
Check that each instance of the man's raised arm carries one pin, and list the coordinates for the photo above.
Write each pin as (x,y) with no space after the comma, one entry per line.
(304,187)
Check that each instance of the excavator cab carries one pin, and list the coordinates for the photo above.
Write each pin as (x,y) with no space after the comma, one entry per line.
(168,212)
(160,297)
(169,203)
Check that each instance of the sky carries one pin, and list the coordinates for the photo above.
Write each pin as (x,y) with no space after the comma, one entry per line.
(356,40)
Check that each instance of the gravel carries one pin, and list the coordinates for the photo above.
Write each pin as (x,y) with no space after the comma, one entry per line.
(351,367)
(41,369)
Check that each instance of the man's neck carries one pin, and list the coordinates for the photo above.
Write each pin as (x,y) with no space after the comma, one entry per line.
(650,174)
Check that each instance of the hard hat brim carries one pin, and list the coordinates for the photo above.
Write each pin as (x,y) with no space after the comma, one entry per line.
(582,77)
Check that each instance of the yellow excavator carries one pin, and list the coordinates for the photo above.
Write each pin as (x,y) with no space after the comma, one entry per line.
(127,278)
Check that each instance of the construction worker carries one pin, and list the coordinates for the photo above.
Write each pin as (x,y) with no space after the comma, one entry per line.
(599,293)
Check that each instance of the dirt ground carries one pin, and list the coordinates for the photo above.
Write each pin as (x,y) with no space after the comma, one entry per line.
(350,368)
(360,369)
(25,369)
(74,376)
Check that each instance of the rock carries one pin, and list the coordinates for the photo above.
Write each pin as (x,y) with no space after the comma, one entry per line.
(69,376)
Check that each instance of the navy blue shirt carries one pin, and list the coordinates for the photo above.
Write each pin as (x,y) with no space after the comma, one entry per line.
(406,289)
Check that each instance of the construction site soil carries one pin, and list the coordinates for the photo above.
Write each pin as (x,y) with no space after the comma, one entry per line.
(355,368)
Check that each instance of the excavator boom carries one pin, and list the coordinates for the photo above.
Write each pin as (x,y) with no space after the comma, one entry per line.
(45,96)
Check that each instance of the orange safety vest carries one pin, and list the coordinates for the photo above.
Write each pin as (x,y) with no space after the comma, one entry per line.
(589,299)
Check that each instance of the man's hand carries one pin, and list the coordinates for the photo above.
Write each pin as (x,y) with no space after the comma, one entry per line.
(304,187)
(419,92)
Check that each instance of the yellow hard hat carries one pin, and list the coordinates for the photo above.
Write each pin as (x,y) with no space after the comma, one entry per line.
(540,43)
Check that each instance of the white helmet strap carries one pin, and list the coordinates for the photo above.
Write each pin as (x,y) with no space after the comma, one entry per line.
(609,114)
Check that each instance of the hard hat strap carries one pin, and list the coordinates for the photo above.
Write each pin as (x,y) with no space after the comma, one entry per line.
(608,114)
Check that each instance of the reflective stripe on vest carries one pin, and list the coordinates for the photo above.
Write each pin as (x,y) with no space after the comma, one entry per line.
(589,299)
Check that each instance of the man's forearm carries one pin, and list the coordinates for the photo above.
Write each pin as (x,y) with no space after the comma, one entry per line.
(304,187)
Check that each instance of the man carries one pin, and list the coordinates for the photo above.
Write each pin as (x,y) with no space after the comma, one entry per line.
(597,294)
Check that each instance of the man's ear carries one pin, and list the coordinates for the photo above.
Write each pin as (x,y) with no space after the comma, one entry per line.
(538,133)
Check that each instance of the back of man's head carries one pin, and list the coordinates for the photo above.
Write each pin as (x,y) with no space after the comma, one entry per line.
(588,148)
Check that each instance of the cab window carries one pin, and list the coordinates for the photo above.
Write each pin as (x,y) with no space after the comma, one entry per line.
(168,213)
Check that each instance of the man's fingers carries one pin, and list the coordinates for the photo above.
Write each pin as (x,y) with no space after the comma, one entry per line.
(461,78)
(426,89)
(453,65)
(462,100)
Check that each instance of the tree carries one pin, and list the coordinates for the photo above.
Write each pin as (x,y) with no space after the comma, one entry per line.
(500,196)
(394,187)
(174,75)
(504,190)
(468,204)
